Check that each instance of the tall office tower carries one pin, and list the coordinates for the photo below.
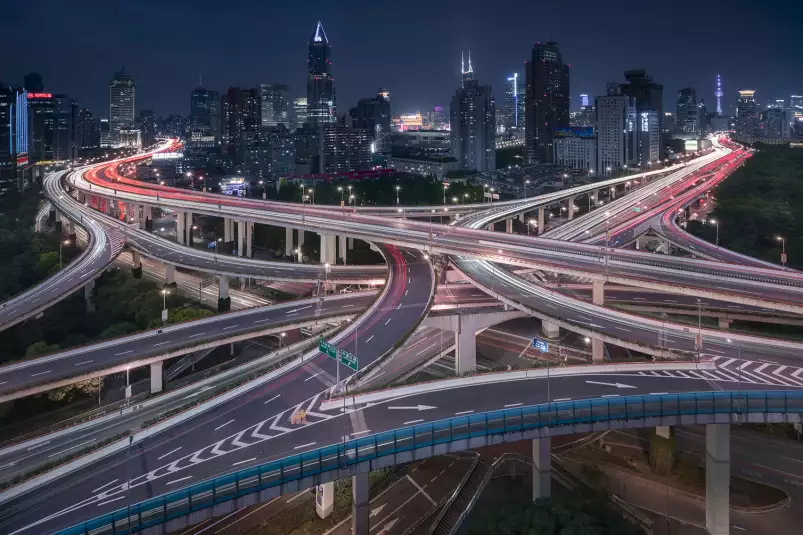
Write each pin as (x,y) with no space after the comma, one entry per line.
(205,115)
(702,114)
(321,102)
(33,83)
(87,130)
(122,106)
(616,125)
(345,148)
(746,114)
(241,122)
(146,123)
(648,94)
(283,151)
(514,105)
(439,119)
(583,100)
(547,100)
(718,93)
(687,114)
(773,123)
(64,118)
(473,120)
(373,114)
(796,107)
(41,119)
(299,112)
(274,104)
(648,150)
(13,137)
(467,74)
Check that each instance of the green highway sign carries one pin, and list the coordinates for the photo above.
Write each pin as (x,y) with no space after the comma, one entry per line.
(349,360)
(327,348)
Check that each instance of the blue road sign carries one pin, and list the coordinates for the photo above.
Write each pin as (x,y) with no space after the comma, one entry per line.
(541,345)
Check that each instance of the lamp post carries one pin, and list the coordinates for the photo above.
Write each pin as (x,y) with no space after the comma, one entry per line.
(715,222)
(607,241)
(340,189)
(398,189)
(783,249)
(465,196)
(164,306)
(312,193)
(326,267)
(445,187)
(281,339)
(61,245)
(525,188)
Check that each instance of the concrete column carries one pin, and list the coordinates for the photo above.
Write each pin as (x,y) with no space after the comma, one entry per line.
(227,237)
(181,221)
(725,323)
(597,350)
(638,243)
(170,274)
(331,249)
(136,264)
(341,243)
(541,222)
(240,238)
(466,353)
(147,212)
(249,239)
(324,248)
(550,330)
(351,243)
(594,198)
(613,192)
(490,227)
(522,218)
(324,499)
(88,289)
(223,299)
(157,379)
(664,247)
(300,238)
(542,473)
(361,500)
(717,479)
(570,208)
(188,228)
(598,292)
(664,431)
(288,241)
(509,225)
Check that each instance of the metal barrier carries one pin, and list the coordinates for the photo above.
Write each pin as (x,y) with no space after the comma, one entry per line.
(332,458)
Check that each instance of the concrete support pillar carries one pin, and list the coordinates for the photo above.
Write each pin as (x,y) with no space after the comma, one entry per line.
(223,299)
(361,500)
(597,350)
(249,239)
(170,274)
(541,222)
(490,227)
(88,289)
(613,192)
(324,499)
(664,431)
(522,219)
(188,228)
(717,479)
(147,213)
(550,330)
(324,247)
(157,379)
(300,238)
(638,243)
(725,323)
(240,238)
(136,264)
(181,221)
(598,292)
(341,243)
(664,247)
(331,249)
(288,241)
(227,237)
(509,225)
(594,198)
(542,472)
(351,243)
(466,353)
(570,208)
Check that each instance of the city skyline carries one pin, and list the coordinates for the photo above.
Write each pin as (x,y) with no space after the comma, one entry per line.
(418,74)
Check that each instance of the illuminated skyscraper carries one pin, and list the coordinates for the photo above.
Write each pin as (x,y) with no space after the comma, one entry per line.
(473,125)
(299,112)
(688,120)
(468,74)
(746,115)
(122,106)
(373,114)
(718,93)
(514,105)
(205,115)
(274,104)
(584,100)
(321,105)
(547,100)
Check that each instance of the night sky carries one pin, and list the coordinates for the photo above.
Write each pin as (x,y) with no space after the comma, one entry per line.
(411,47)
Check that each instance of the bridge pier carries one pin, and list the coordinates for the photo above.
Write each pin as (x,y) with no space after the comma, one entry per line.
(541,225)
(88,289)
(136,264)
(351,243)
(570,208)
(550,330)
(360,509)
(188,228)
(288,241)
(597,350)
(509,225)
(249,239)
(613,193)
(170,275)
(724,323)
(465,360)
(240,238)
(228,235)
(341,243)
(181,221)
(663,248)
(157,377)
(522,218)
(542,473)
(325,499)
(147,215)
(638,243)
(598,292)
(594,198)
(717,479)
(223,299)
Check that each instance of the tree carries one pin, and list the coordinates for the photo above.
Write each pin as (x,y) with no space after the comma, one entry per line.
(40,348)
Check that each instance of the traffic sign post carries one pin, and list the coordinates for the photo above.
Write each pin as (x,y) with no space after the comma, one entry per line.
(342,357)
(349,360)
(326,348)
(540,345)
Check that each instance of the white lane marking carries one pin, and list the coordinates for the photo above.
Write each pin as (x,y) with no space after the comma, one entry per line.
(462,412)
(405,292)
(426,349)
(71,448)
(178,480)
(168,453)
(421,490)
(271,399)
(110,501)
(261,321)
(398,307)
(245,461)
(360,432)
(223,425)
(388,321)
(104,486)
(562,399)
(313,376)
(658,393)
(305,445)
(161,343)
(372,337)
(514,404)
(297,496)
(610,396)
(40,373)
(195,335)
(413,421)
(230,327)
(124,353)
(622,329)
(84,362)
(292,314)
(346,306)
(37,446)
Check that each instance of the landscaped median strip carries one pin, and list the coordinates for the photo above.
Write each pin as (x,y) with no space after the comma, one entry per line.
(500,377)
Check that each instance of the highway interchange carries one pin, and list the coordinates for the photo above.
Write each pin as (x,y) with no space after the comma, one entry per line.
(254,428)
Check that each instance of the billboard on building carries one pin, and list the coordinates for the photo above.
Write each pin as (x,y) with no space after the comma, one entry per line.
(233,186)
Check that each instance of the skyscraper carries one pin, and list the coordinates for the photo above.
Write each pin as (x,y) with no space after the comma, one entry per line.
(546,100)
(122,106)
(205,114)
(746,115)
(274,104)
(299,112)
(345,148)
(583,100)
(321,104)
(87,134)
(616,130)
(241,122)
(648,94)
(468,74)
(373,114)
(687,118)
(718,93)
(473,122)
(514,105)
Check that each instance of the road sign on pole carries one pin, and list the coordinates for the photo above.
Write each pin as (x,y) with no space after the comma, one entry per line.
(326,348)
(349,360)
(540,345)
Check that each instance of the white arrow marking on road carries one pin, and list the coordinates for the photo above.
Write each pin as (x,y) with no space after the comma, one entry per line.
(387,527)
(617,385)
(378,510)
(297,309)
(414,407)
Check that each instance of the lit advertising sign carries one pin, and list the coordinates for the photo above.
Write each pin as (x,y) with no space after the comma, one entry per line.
(575,131)
(645,122)
(233,186)
(690,145)
(168,156)
(40,95)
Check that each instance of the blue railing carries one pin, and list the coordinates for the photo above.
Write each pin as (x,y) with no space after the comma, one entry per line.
(275,473)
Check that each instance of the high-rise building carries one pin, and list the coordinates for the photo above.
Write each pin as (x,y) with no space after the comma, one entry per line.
(514,106)
(241,123)
(746,114)
(274,104)
(648,94)
(122,106)
(702,114)
(283,151)
(616,130)
(718,93)
(439,119)
(345,148)
(467,74)
(473,122)
(299,112)
(773,123)
(321,102)
(205,115)
(583,100)
(13,137)
(648,150)
(87,134)
(575,147)
(687,115)
(373,114)
(547,100)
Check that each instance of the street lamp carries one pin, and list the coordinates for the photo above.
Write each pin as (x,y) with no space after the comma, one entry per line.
(281,339)
(326,267)
(465,196)
(715,222)
(607,241)
(525,188)
(340,189)
(398,189)
(61,245)
(297,254)
(783,249)
(531,222)
(164,306)
(445,187)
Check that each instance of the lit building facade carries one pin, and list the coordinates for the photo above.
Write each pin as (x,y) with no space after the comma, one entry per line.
(616,125)
(649,95)
(546,100)
(575,147)
(321,102)
(473,120)
(87,134)
(687,114)
(299,112)
(746,115)
(648,148)
(345,148)
(513,122)
(122,106)
(205,116)
(373,114)
(274,104)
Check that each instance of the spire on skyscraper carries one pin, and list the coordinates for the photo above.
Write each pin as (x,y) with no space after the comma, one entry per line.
(718,93)
(320,34)
(467,74)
